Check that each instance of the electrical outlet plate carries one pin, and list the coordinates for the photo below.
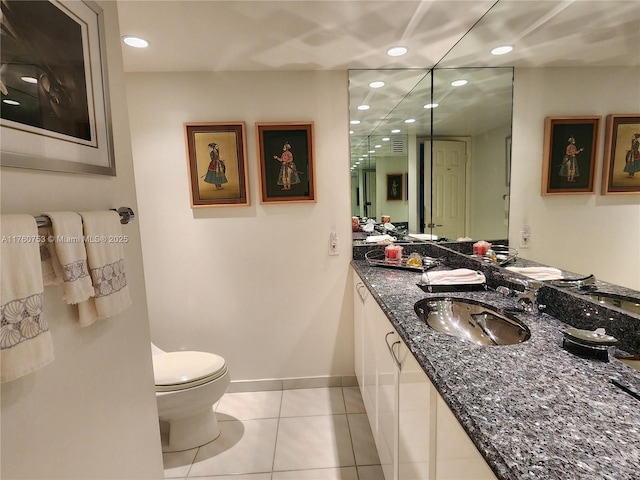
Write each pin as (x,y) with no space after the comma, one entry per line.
(333,244)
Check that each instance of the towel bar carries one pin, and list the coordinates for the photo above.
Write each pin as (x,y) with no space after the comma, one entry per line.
(126,216)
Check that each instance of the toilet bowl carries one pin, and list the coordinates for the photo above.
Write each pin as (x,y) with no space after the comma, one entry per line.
(188,384)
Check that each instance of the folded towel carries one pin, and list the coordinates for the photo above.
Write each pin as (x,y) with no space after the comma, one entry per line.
(51,268)
(379,239)
(25,340)
(105,255)
(538,273)
(459,276)
(69,259)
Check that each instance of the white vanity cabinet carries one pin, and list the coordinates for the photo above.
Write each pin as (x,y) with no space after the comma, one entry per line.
(416,434)
(377,374)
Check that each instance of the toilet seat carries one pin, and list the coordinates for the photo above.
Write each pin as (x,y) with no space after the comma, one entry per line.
(181,370)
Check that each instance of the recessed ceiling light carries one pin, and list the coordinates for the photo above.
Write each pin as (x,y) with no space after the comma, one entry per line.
(502,50)
(29,79)
(354,122)
(350,132)
(395,130)
(136,42)
(377,146)
(410,120)
(372,151)
(378,84)
(363,107)
(431,105)
(10,102)
(397,51)
(459,83)
(365,155)
(386,139)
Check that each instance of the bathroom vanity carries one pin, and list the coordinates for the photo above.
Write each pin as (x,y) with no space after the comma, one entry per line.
(440,407)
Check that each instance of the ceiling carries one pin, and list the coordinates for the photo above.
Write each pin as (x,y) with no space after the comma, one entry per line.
(241,35)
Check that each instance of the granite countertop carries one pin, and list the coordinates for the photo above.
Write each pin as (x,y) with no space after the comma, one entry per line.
(533,410)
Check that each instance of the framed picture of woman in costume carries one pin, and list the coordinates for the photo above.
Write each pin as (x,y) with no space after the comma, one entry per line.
(621,167)
(217,161)
(570,155)
(286,162)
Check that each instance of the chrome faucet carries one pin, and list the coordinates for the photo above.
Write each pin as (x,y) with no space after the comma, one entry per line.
(528,298)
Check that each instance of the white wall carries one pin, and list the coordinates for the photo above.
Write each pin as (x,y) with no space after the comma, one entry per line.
(254,284)
(581,233)
(91,413)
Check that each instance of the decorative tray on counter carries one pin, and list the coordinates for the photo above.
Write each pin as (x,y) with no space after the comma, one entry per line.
(377,258)
(504,255)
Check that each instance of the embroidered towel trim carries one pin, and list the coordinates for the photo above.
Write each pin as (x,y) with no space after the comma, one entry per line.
(105,255)
(459,276)
(69,257)
(25,340)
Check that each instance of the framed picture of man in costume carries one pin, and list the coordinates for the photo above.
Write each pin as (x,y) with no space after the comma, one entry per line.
(621,167)
(570,155)
(217,161)
(286,162)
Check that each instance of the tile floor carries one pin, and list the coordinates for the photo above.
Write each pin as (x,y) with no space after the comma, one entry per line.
(304,434)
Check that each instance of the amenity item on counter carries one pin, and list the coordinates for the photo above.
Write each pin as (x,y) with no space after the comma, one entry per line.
(538,273)
(459,276)
(481,247)
(385,218)
(393,253)
(415,260)
(355,224)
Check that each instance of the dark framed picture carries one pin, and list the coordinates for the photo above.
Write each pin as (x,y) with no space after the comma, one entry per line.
(394,186)
(286,162)
(570,155)
(55,99)
(621,167)
(217,159)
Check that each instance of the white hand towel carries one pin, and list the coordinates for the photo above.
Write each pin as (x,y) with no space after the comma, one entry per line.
(459,276)
(538,273)
(380,239)
(71,255)
(105,255)
(25,340)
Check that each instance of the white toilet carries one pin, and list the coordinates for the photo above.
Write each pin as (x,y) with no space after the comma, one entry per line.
(188,384)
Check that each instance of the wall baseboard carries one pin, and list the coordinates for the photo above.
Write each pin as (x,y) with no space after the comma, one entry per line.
(291,383)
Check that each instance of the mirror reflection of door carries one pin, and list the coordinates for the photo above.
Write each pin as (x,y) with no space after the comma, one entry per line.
(370,191)
(445,204)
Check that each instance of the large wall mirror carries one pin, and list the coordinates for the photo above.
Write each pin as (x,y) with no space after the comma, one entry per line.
(563,48)
(432,149)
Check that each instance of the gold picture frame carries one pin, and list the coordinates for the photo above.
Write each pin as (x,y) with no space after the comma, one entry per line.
(217,164)
(621,164)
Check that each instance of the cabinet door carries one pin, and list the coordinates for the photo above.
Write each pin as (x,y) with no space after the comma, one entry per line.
(384,387)
(360,293)
(416,425)
(456,455)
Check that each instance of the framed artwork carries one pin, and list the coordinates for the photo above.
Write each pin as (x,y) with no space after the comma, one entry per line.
(286,162)
(394,186)
(55,98)
(570,153)
(217,160)
(621,168)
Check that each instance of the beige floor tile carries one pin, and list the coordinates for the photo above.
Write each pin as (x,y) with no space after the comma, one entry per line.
(312,401)
(364,447)
(243,447)
(353,399)
(344,473)
(313,442)
(177,464)
(249,405)
(247,476)
(370,472)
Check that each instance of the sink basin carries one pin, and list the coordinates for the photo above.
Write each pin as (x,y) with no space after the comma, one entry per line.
(628,304)
(471,321)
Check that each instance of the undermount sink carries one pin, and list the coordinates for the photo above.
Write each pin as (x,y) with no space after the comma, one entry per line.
(471,321)
(628,304)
